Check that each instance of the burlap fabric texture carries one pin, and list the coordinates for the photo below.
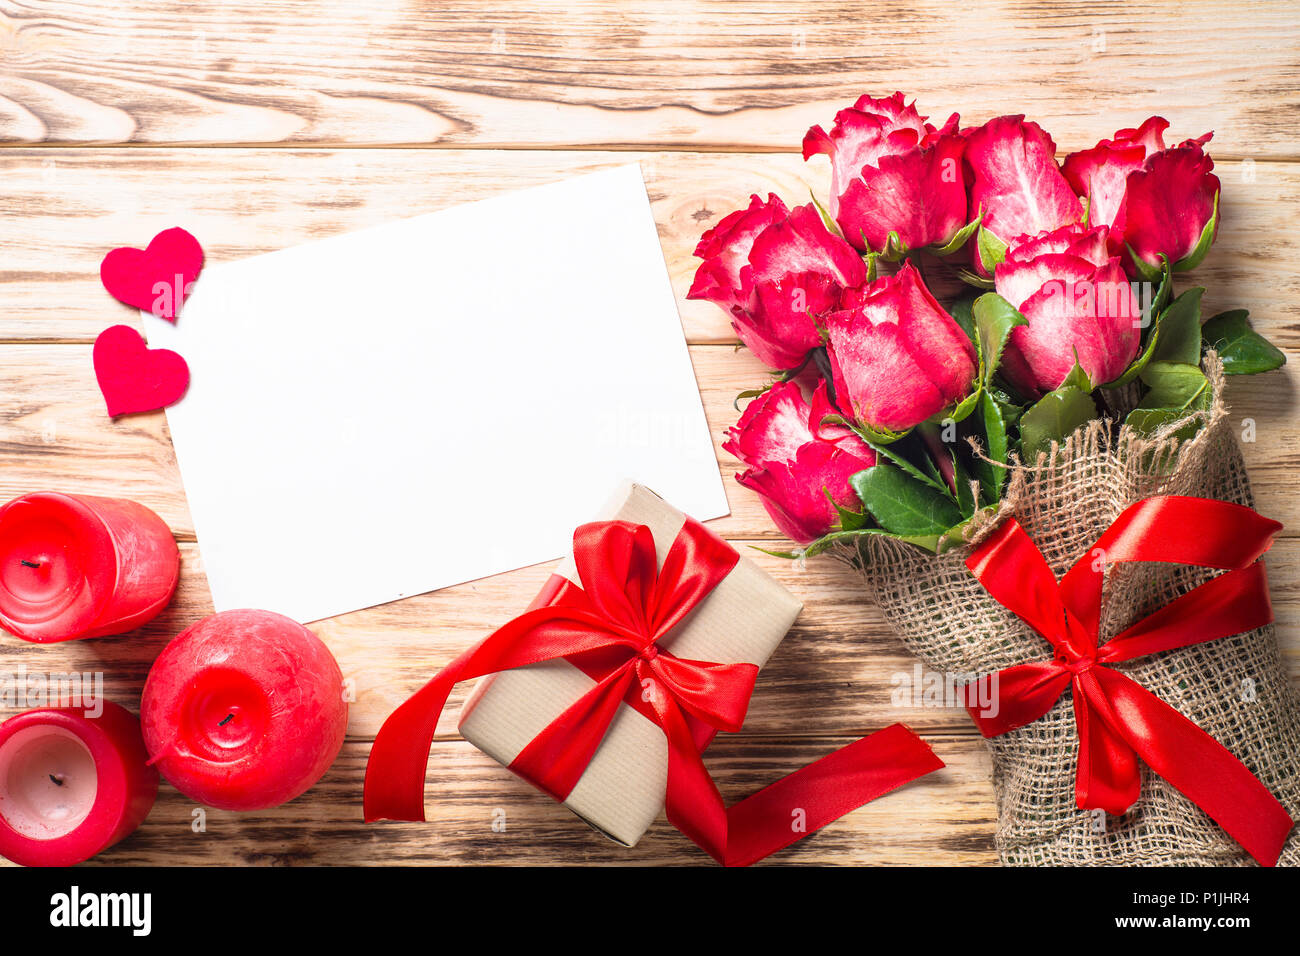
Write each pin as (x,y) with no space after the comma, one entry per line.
(1235,689)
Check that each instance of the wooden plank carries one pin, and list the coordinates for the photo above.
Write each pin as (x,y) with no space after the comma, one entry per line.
(52,424)
(834,674)
(65,208)
(708,74)
(946,817)
(840,670)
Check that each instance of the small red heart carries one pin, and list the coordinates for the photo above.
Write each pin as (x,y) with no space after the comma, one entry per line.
(158,278)
(134,377)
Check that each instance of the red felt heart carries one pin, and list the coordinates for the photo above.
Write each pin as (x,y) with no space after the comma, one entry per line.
(134,377)
(156,279)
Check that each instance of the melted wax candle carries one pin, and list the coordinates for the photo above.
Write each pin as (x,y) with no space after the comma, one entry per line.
(71,785)
(75,566)
(244,710)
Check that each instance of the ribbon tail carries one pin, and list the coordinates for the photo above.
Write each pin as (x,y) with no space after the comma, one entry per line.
(1107,776)
(692,801)
(1201,768)
(1014,571)
(1015,696)
(399,757)
(825,790)
(555,760)
(1231,603)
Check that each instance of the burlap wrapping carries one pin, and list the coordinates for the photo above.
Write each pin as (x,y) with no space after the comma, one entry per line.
(1236,689)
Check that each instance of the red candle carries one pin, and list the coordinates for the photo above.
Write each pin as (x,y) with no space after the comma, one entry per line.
(74,566)
(244,710)
(71,785)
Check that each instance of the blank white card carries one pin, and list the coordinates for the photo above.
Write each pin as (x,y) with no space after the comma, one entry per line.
(433,400)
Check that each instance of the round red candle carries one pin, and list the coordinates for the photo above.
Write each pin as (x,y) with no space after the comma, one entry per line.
(244,710)
(71,785)
(76,566)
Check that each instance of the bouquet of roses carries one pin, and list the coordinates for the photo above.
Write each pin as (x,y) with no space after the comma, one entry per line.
(968,336)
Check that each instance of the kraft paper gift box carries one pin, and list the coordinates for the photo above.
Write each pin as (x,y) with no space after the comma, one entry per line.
(621,793)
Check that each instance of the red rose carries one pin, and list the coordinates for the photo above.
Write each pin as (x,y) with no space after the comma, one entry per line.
(1078,302)
(1156,201)
(774,269)
(891,171)
(896,356)
(791,467)
(1015,182)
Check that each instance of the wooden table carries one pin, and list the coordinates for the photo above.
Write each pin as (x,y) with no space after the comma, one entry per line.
(258,125)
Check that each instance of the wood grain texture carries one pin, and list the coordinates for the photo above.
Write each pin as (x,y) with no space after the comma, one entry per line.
(724,75)
(945,818)
(64,208)
(52,423)
(255,125)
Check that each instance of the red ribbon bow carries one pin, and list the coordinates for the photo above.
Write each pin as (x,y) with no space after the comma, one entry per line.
(1118,720)
(610,628)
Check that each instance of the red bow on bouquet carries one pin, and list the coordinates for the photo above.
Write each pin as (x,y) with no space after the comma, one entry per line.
(1119,721)
(610,628)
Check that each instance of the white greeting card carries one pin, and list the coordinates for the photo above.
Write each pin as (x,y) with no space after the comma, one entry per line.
(433,400)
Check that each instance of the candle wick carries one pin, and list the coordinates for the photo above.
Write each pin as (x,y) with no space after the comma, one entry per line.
(30,564)
(229,718)
(58,781)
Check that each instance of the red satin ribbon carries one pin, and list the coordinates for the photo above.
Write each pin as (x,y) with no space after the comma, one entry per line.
(610,627)
(1120,722)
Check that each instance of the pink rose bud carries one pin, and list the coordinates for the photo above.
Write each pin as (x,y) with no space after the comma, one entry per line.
(774,270)
(1016,183)
(791,467)
(1156,200)
(1078,302)
(891,171)
(896,356)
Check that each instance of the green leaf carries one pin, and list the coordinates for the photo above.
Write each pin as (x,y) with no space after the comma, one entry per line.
(1052,418)
(965,498)
(1176,391)
(1165,289)
(1193,258)
(1077,378)
(959,238)
(972,278)
(961,411)
(902,504)
(895,249)
(1144,269)
(930,542)
(1179,330)
(995,317)
(1242,350)
(886,452)
(871,259)
(1175,333)
(788,555)
(1138,364)
(750,393)
(870,435)
(849,520)
(1177,386)
(955,536)
(961,312)
(831,225)
(990,249)
(995,435)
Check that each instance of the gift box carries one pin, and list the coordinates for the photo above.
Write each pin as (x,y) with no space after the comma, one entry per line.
(645,642)
(622,791)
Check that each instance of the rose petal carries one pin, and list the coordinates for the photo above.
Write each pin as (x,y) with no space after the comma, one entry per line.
(1016,182)
(1170,201)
